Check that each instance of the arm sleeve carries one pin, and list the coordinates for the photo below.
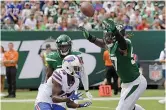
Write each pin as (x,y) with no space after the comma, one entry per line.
(119,34)
(121,41)
(84,76)
(161,56)
(85,80)
(129,48)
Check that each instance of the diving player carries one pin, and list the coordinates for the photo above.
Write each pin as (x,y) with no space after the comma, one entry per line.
(133,83)
(59,89)
(54,60)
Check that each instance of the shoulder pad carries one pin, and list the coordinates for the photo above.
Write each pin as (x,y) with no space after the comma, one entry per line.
(75,52)
(52,56)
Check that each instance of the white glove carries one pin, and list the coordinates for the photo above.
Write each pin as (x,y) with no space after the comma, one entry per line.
(89,95)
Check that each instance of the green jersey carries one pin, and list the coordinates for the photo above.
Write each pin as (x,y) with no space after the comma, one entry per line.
(51,12)
(54,60)
(126,67)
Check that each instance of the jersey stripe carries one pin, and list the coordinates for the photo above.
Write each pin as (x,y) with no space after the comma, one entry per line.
(56,76)
(59,75)
(37,107)
(57,80)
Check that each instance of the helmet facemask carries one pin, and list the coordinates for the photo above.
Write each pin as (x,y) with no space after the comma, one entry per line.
(109,39)
(64,48)
(73,66)
(77,70)
(64,44)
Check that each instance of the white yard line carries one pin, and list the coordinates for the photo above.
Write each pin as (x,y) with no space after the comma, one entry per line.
(95,99)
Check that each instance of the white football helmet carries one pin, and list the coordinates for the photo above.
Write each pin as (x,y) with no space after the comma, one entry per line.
(73,65)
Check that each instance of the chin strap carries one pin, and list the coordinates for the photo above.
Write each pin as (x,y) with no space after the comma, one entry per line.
(65,53)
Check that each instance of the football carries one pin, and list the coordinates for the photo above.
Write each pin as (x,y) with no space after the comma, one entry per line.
(87,9)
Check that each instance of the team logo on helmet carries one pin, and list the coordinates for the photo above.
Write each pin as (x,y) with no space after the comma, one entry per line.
(69,59)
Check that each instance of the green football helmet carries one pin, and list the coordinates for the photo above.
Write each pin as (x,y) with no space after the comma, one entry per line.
(64,44)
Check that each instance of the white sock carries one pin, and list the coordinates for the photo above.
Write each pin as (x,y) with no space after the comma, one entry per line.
(138,107)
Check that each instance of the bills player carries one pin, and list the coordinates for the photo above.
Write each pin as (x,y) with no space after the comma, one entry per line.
(58,91)
(54,60)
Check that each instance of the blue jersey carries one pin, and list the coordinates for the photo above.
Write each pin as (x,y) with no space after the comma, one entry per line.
(14,8)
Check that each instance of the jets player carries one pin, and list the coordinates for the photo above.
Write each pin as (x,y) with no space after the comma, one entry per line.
(59,89)
(54,59)
(133,83)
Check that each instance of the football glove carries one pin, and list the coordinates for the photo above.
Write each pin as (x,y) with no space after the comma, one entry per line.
(74,96)
(86,104)
(111,26)
(85,32)
(87,35)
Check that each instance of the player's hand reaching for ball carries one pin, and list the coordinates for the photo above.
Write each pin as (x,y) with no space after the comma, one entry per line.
(75,96)
(109,25)
(85,32)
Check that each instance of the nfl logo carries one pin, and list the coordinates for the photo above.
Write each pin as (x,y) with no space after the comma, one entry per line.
(155,72)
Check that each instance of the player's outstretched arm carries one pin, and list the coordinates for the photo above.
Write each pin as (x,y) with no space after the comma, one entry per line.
(120,37)
(118,32)
(85,82)
(91,38)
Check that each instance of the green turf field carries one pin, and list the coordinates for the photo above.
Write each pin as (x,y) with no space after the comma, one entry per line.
(25,101)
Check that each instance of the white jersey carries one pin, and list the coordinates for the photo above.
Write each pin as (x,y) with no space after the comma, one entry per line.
(60,76)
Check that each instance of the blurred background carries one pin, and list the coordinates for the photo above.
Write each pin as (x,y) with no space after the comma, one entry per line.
(32,24)
(65,15)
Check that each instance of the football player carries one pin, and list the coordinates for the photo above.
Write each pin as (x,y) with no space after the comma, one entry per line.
(54,59)
(133,83)
(59,89)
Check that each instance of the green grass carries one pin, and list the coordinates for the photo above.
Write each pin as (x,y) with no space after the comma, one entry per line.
(109,105)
